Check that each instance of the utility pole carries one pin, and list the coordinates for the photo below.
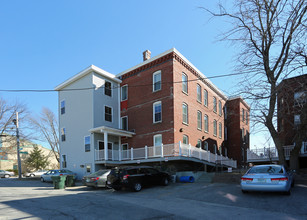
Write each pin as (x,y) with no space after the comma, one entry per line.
(18,148)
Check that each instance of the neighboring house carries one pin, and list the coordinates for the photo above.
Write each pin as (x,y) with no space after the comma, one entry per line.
(291,99)
(8,153)
(162,111)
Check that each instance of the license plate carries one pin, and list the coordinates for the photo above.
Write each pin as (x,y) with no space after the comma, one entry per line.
(261,180)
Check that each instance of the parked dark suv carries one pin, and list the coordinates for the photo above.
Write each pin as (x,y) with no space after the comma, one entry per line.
(136,177)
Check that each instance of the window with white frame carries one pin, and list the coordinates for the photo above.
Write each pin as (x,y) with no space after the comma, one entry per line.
(214,128)
(124,92)
(124,124)
(63,134)
(220,108)
(185,139)
(206,123)
(220,130)
(156,78)
(62,107)
(198,93)
(108,113)
(88,168)
(157,112)
(205,97)
(158,140)
(185,111)
(206,146)
(64,162)
(198,143)
(108,88)
(199,120)
(214,104)
(184,83)
(87,143)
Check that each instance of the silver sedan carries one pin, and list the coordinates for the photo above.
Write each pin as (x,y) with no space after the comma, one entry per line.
(272,178)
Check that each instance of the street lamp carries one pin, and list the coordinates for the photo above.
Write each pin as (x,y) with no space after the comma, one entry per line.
(15,121)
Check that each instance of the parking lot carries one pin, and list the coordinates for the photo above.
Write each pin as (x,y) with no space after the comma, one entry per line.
(31,199)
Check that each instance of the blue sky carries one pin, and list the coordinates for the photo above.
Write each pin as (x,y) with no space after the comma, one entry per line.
(43,43)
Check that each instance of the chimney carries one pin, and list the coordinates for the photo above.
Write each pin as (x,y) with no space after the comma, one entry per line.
(146,55)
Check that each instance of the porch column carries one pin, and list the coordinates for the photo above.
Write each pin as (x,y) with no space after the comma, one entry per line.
(106,146)
(119,148)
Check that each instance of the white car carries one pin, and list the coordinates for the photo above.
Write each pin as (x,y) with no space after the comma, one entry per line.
(6,174)
(36,173)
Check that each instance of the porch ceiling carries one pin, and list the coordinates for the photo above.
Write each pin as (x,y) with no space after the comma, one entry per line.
(113,131)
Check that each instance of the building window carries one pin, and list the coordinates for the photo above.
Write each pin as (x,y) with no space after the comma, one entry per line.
(220,130)
(225,112)
(157,112)
(63,134)
(206,145)
(246,116)
(214,105)
(300,98)
(64,163)
(214,127)
(199,119)
(184,83)
(108,113)
(220,108)
(158,140)
(198,93)
(215,148)
(185,113)
(243,133)
(88,168)
(198,143)
(63,107)
(297,119)
(108,88)
(124,123)
(124,92)
(156,78)
(225,133)
(226,153)
(205,97)
(206,124)
(185,139)
(87,143)
(243,114)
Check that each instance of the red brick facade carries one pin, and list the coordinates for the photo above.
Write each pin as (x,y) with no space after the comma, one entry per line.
(141,97)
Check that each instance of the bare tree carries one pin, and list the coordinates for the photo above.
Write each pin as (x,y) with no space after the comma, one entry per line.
(271,35)
(7,127)
(47,125)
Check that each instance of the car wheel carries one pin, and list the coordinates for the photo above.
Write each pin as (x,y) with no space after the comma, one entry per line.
(6,176)
(42,179)
(32,175)
(165,182)
(244,191)
(137,187)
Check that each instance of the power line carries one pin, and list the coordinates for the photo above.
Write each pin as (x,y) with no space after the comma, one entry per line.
(115,87)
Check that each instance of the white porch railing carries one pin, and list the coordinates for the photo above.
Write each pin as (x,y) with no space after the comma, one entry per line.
(169,150)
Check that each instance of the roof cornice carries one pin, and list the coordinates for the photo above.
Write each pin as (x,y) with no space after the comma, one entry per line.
(91,68)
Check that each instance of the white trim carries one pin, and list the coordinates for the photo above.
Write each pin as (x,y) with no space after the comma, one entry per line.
(121,93)
(153,110)
(153,80)
(114,131)
(85,72)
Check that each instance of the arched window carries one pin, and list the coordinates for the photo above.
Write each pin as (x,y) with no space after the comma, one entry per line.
(199,120)
(184,83)
(198,143)
(214,127)
(220,130)
(198,93)
(205,97)
(206,145)
(156,78)
(220,108)
(206,123)
(214,105)
(185,112)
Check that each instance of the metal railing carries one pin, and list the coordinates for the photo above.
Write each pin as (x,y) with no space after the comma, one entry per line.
(168,150)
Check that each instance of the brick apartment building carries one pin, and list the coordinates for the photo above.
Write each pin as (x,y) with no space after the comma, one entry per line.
(169,100)
(291,99)
(161,111)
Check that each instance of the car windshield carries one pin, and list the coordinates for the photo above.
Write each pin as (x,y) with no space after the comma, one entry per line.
(266,169)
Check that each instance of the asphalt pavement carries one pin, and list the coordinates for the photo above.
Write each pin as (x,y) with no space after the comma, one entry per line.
(31,199)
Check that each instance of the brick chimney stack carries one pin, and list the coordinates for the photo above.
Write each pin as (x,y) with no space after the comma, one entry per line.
(146,55)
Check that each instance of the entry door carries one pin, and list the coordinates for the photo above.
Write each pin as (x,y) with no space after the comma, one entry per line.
(157,144)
